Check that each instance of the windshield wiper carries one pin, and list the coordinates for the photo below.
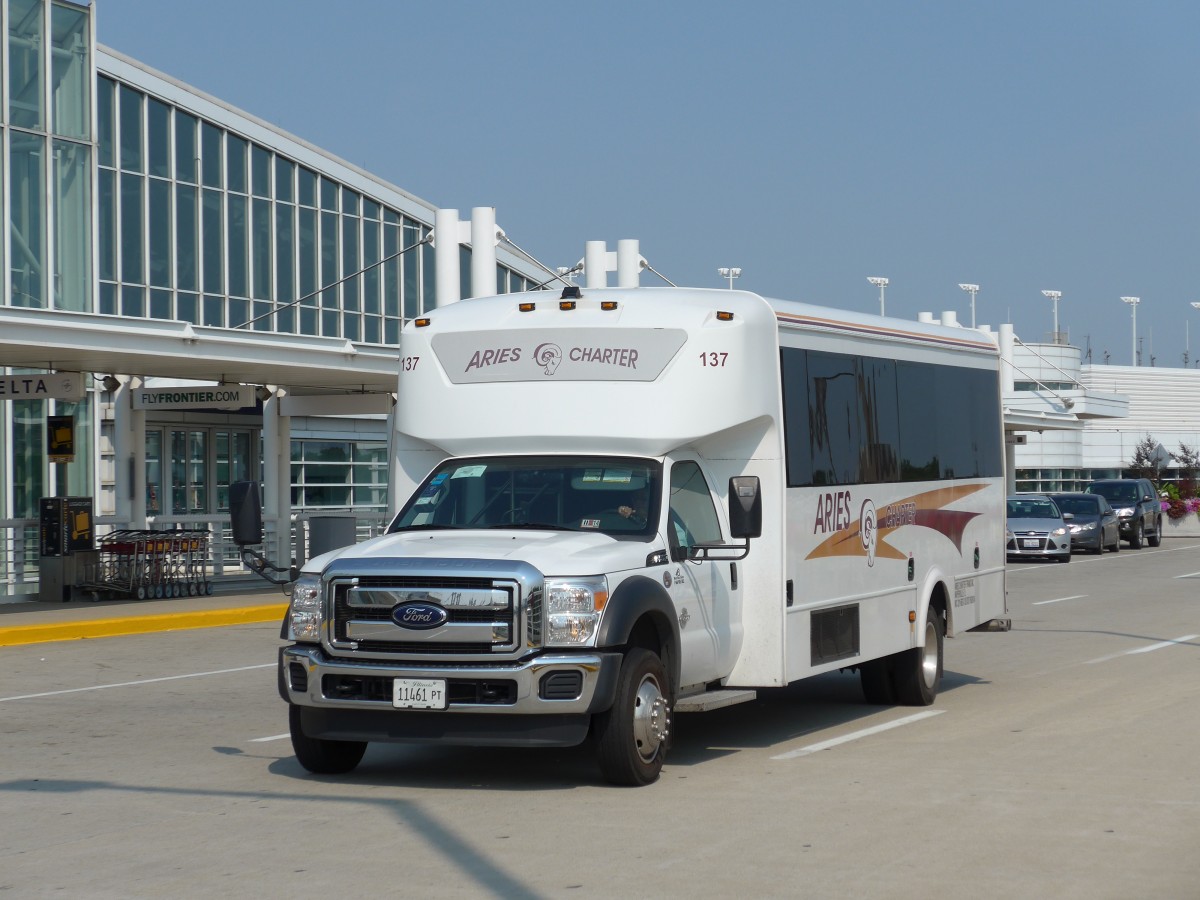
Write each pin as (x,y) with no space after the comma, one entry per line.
(539,526)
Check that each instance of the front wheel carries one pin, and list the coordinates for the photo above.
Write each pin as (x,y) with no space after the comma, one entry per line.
(632,736)
(1155,539)
(918,672)
(319,756)
(1139,532)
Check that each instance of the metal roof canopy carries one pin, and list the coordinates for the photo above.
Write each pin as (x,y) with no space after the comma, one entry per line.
(88,342)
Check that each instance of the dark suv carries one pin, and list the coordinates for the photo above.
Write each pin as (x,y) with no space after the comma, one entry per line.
(1137,504)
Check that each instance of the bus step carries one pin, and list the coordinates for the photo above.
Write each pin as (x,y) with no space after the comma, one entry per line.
(994,625)
(713,700)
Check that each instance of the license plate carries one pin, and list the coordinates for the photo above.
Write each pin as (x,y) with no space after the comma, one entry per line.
(1031,542)
(415,693)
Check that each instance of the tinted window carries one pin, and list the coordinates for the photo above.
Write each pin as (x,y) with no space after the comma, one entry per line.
(1079,506)
(852,419)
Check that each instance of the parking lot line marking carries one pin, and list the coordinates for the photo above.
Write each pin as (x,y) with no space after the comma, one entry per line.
(1189,575)
(855,735)
(101,687)
(1060,599)
(274,737)
(1159,646)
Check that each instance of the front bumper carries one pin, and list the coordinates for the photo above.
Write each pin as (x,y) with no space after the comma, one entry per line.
(1042,547)
(549,683)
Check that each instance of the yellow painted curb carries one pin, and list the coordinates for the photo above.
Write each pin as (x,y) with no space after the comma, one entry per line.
(97,628)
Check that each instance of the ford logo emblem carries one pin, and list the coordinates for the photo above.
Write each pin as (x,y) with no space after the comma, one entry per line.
(419,616)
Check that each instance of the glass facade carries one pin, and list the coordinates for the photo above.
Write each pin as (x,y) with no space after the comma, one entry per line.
(203,224)
(46,126)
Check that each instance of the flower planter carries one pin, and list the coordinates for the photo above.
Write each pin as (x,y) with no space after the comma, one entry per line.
(1188,526)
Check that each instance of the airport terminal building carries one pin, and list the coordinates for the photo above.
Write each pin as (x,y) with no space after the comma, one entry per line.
(141,213)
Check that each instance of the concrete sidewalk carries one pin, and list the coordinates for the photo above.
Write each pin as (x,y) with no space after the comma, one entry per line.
(34,622)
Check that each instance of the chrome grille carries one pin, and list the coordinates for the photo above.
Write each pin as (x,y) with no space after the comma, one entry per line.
(370,629)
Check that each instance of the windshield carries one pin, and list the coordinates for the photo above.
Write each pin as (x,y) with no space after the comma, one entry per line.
(1116,493)
(1032,509)
(614,495)
(1079,506)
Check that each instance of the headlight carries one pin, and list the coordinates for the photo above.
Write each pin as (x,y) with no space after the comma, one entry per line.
(1088,526)
(573,610)
(1125,512)
(306,608)
(1059,532)
(1008,535)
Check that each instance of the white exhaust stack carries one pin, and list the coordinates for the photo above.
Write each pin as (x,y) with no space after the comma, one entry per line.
(445,257)
(950,317)
(926,318)
(629,264)
(484,237)
(595,264)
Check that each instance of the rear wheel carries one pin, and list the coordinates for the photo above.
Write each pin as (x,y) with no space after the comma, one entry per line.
(632,737)
(918,672)
(319,756)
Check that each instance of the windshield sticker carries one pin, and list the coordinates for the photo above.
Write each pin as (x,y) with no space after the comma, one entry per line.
(589,523)
(618,476)
(469,471)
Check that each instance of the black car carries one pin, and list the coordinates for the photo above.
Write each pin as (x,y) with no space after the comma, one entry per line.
(1137,505)
(1094,526)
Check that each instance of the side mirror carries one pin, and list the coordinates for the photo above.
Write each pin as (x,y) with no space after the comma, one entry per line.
(245,513)
(745,507)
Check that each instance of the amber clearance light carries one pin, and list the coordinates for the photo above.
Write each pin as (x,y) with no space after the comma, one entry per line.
(724,316)
(421,323)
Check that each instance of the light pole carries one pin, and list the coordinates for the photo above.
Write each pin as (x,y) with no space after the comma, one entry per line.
(971,289)
(1133,305)
(1054,296)
(730,274)
(880,283)
(1187,349)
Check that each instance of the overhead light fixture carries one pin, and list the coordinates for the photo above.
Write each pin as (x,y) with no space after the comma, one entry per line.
(110,382)
(263,393)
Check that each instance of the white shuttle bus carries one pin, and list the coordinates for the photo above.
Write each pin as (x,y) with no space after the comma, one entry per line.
(622,504)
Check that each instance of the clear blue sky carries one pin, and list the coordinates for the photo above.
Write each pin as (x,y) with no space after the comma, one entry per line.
(1019,145)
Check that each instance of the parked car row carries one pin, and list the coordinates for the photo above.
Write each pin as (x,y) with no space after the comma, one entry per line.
(1050,526)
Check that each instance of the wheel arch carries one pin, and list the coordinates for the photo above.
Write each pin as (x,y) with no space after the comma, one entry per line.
(640,614)
(936,595)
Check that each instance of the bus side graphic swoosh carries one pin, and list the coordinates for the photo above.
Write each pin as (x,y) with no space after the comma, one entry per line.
(931,513)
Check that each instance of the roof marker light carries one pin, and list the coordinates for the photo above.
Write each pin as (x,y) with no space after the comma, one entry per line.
(608,305)
(526,307)
(724,316)
(566,305)
(421,323)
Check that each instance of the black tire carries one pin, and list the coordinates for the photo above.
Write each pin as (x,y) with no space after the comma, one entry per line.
(876,678)
(319,756)
(1139,536)
(633,736)
(1116,544)
(1065,558)
(1155,539)
(918,672)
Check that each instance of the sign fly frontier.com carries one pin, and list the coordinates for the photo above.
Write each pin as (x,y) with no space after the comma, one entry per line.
(223,396)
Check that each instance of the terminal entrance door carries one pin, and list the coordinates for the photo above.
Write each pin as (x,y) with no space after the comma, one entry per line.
(189,468)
